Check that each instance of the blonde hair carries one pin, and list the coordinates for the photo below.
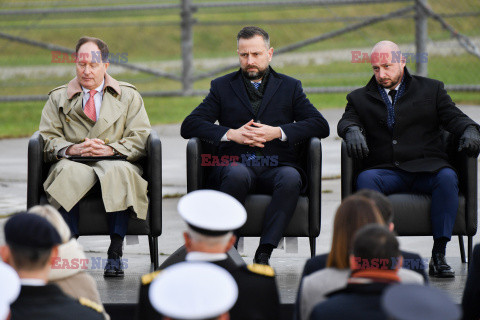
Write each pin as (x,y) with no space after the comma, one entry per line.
(55,218)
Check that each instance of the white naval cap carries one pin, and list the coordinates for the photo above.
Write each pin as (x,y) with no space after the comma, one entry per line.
(212,212)
(10,284)
(4,310)
(193,290)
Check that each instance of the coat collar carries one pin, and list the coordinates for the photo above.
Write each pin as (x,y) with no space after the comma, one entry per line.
(74,87)
(238,87)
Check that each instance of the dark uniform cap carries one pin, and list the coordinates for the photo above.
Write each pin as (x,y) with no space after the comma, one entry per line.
(30,230)
(413,302)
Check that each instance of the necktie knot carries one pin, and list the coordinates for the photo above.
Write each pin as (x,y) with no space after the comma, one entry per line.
(392,93)
(92,92)
(256,84)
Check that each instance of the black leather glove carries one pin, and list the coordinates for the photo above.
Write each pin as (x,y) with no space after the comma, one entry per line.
(470,141)
(356,143)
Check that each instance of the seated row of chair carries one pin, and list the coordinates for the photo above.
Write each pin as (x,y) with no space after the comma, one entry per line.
(411,211)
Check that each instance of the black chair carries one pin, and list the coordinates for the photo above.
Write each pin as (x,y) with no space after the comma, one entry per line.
(92,211)
(412,211)
(307,217)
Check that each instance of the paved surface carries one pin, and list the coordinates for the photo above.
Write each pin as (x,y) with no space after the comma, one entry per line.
(13,175)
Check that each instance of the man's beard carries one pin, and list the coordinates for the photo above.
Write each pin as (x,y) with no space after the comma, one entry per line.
(392,84)
(253,75)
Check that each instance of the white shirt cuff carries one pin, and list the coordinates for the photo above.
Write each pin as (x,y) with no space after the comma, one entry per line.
(284,136)
(62,153)
(224,138)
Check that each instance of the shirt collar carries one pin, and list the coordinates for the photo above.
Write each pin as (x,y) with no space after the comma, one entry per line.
(396,88)
(98,89)
(204,256)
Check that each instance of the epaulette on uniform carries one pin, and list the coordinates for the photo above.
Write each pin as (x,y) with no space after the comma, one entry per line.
(261,269)
(57,88)
(148,278)
(126,84)
(92,305)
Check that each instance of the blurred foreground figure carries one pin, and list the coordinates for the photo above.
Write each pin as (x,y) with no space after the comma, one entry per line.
(31,245)
(211,218)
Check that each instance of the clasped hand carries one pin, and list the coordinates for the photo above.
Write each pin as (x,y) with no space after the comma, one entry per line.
(254,134)
(90,148)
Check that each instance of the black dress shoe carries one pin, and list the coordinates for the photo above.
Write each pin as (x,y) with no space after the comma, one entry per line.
(439,268)
(261,258)
(114,266)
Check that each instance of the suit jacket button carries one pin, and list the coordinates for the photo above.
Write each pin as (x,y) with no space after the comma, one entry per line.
(107,141)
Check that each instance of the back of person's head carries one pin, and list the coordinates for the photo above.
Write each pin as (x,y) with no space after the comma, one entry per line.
(353,213)
(55,219)
(375,247)
(381,201)
(30,239)
(208,241)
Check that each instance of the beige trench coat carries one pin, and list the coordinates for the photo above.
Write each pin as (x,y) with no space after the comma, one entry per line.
(122,123)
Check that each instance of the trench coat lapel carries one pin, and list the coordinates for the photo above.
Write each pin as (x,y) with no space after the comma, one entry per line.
(110,111)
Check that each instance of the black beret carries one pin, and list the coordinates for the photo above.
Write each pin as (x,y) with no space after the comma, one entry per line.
(31,230)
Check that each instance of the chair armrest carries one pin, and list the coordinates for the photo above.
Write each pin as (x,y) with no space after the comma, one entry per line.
(314,174)
(467,176)
(154,177)
(195,175)
(347,172)
(35,169)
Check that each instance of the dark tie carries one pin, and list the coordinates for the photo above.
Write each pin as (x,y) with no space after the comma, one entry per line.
(392,93)
(391,110)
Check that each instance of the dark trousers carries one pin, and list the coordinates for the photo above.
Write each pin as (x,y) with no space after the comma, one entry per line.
(117,221)
(441,185)
(283,183)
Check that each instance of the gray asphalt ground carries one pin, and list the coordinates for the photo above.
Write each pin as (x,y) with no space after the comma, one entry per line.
(288,266)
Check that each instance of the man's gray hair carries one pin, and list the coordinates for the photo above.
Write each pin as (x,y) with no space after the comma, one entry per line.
(209,240)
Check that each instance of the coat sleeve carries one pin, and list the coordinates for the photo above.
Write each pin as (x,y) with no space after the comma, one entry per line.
(308,121)
(201,122)
(451,117)
(136,131)
(51,128)
(349,118)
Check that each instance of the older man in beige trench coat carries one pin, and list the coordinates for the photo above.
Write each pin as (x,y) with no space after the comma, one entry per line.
(95,115)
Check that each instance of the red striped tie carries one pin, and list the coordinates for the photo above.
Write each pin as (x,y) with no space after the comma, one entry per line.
(90,106)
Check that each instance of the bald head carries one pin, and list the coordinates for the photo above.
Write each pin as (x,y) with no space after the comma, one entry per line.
(387,64)
(385,46)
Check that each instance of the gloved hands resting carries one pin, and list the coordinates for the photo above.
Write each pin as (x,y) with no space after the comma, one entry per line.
(470,141)
(356,143)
